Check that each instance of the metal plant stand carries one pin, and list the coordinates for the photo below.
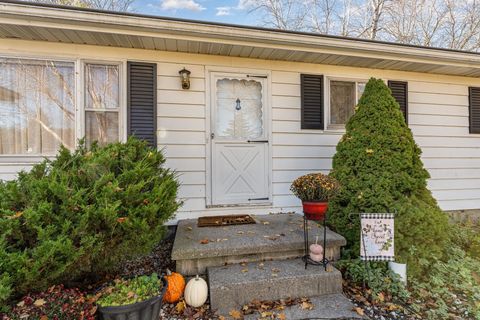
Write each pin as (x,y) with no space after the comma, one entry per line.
(306,258)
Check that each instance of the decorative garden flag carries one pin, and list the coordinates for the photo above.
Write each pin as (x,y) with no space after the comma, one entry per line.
(377,237)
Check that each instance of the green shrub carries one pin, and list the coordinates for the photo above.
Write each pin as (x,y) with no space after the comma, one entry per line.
(467,236)
(128,291)
(376,276)
(379,168)
(453,285)
(82,214)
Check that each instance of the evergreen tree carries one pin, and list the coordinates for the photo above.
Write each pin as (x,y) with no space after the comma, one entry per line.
(379,168)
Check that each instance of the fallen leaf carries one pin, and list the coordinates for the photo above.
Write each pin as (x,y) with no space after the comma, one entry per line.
(240,232)
(17,214)
(204,241)
(359,311)
(273,238)
(306,305)
(281,316)
(21,304)
(235,314)
(221,318)
(266,314)
(381,297)
(121,220)
(130,294)
(244,270)
(39,302)
(180,306)
(266,222)
(392,307)
(93,310)
(189,228)
(44,317)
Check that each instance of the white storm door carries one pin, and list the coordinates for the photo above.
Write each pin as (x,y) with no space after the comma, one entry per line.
(239,141)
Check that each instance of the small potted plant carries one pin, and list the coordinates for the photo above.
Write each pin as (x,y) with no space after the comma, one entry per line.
(315,190)
(136,298)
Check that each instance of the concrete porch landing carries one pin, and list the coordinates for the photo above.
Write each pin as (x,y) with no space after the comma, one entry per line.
(273,237)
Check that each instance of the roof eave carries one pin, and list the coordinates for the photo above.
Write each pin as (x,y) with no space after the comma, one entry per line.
(18,14)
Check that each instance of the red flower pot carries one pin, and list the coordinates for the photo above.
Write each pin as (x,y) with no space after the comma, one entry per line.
(315,210)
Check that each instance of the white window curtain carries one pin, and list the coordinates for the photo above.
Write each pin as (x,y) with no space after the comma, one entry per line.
(37,106)
(239,109)
(344,96)
(102,103)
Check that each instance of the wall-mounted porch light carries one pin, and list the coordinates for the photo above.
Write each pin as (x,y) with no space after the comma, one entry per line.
(185,76)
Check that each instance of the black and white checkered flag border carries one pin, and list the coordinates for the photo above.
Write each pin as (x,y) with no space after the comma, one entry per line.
(377,216)
(377,258)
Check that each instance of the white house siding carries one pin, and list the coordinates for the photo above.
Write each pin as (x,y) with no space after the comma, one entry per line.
(438,117)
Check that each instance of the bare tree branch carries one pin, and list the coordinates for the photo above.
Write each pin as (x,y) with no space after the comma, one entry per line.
(113,5)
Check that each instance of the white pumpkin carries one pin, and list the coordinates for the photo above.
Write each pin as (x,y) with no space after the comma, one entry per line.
(196,292)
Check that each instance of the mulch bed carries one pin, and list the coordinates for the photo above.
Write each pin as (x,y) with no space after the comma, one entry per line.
(158,261)
(376,310)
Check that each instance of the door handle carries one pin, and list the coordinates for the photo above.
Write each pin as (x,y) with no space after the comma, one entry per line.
(256,199)
(257,141)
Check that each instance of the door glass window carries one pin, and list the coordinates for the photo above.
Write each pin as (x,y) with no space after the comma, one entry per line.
(239,113)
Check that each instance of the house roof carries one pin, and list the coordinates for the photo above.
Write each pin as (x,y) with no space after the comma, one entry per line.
(54,23)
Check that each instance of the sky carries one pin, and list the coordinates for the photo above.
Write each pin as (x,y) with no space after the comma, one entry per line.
(225,11)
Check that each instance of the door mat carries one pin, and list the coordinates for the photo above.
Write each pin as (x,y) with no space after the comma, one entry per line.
(218,221)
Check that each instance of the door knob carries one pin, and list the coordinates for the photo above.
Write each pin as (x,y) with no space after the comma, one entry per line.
(238,106)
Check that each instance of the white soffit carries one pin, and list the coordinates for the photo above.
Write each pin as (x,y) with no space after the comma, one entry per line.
(71,25)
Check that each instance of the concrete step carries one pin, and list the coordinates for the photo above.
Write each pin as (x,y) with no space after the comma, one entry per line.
(233,286)
(332,306)
(273,237)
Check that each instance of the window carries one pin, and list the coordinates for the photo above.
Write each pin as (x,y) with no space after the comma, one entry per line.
(37,106)
(239,109)
(102,103)
(344,96)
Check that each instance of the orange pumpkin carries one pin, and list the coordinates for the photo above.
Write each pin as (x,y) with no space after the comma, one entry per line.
(176,285)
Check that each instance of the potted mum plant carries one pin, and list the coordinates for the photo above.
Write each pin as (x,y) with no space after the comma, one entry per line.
(315,190)
(136,298)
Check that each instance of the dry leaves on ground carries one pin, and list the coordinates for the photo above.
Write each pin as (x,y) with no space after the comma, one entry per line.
(359,311)
(235,314)
(273,309)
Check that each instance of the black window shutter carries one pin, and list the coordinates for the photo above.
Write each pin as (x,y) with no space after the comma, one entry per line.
(400,93)
(142,101)
(474,109)
(312,101)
